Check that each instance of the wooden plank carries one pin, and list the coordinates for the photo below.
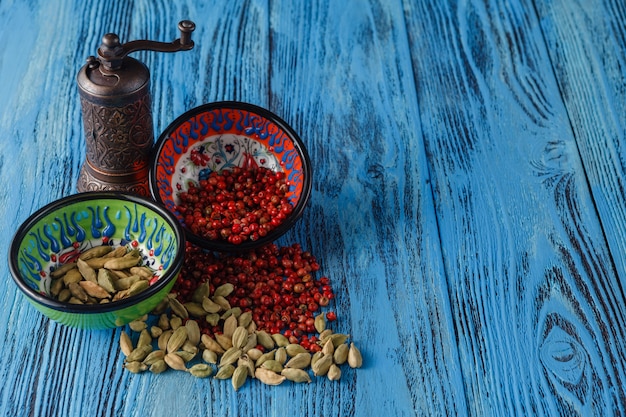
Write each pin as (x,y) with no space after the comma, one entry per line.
(341,76)
(527,265)
(586,44)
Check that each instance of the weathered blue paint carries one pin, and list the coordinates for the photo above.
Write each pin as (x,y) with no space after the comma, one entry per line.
(468,197)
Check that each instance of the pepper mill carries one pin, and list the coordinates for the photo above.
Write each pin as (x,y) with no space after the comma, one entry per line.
(117,113)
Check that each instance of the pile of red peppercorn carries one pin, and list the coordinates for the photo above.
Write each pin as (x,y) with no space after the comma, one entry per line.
(276,284)
(236,205)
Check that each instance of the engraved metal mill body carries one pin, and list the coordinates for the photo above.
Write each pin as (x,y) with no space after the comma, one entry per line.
(117,114)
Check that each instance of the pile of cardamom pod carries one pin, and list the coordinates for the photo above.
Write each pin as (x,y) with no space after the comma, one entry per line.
(174,341)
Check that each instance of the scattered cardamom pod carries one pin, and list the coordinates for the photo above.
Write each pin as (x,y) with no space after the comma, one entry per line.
(175,362)
(209,306)
(293,349)
(225,372)
(320,322)
(200,293)
(209,356)
(272,365)
(144,338)
(245,319)
(211,344)
(296,375)
(139,353)
(321,367)
(154,356)
(178,308)
(164,339)
(334,373)
(193,332)
(268,377)
(185,356)
(265,339)
(230,324)
(300,361)
(329,348)
(135,367)
(240,375)
(176,341)
(126,344)
(224,341)
(137,325)
(239,337)
(158,367)
(355,360)
(201,370)
(223,290)
(254,353)
(281,356)
(230,356)
(341,354)
(175,322)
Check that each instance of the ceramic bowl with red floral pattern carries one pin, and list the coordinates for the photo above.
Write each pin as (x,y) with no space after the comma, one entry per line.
(228,136)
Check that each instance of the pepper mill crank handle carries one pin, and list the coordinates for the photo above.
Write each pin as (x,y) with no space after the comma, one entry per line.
(184,43)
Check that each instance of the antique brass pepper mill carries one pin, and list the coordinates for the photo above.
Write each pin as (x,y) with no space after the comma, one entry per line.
(117,113)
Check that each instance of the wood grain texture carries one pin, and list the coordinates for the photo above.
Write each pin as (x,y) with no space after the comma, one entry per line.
(467,197)
(530,276)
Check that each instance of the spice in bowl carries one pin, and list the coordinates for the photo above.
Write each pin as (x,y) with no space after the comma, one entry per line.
(235,175)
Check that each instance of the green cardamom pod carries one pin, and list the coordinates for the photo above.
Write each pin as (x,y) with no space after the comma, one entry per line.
(176,341)
(175,362)
(230,324)
(293,349)
(272,365)
(201,370)
(320,322)
(355,360)
(211,344)
(139,353)
(281,356)
(193,332)
(194,309)
(224,290)
(209,356)
(225,372)
(296,375)
(158,367)
(265,339)
(268,377)
(154,356)
(265,357)
(300,361)
(135,367)
(245,319)
(178,308)
(280,340)
(334,373)
(321,367)
(230,356)
(240,375)
(240,337)
(185,356)
(200,292)
(210,307)
(126,344)
(341,354)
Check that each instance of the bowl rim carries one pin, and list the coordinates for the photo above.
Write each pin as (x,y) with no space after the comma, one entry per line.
(39,298)
(298,210)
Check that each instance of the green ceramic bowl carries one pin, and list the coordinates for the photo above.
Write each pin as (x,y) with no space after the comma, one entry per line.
(58,232)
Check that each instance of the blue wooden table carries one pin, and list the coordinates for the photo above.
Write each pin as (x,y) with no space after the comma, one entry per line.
(468,198)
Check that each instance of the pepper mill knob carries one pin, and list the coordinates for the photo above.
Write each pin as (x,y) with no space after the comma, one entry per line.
(186,27)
